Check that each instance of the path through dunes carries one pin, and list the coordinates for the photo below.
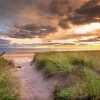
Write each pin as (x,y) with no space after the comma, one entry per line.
(33,86)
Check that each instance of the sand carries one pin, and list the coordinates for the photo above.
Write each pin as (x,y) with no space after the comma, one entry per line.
(32,84)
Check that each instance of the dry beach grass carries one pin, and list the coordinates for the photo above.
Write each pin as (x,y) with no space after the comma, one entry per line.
(51,75)
(8,89)
(82,69)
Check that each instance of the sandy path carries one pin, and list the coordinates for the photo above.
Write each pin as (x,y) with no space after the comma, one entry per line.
(33,86)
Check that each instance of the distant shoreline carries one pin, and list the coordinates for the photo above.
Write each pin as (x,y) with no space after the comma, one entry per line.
(51,49)
(31,52)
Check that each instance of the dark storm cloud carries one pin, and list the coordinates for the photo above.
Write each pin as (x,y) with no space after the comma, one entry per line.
(80,19)
(31,31)
(90,8)
(61,8)
(87,13)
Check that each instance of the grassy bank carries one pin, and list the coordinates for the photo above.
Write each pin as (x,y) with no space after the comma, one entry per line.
(82,69)
(7,89)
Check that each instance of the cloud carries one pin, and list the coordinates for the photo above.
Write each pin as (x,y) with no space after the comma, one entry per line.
(49,20)
(90,39)
(3,42)
(90,8)
(80,19)
(45,12)
(60,7)
(90,11)
(87,13)
(32,31)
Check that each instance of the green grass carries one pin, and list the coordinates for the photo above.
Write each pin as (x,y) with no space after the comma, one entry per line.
(53,64)
(84,67)
(90,88)
(7,89)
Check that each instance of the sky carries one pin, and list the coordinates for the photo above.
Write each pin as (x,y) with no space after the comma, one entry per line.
(30,23)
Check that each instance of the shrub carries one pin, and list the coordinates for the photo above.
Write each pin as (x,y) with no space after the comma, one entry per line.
(81,62)
(77,61)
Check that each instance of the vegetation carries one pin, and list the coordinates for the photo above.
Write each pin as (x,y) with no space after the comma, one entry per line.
(82,68)
(7,88)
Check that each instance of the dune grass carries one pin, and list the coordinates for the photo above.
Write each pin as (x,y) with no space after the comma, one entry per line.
(7,89)
(83,66)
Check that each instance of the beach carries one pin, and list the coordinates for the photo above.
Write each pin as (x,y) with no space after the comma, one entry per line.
(32,84)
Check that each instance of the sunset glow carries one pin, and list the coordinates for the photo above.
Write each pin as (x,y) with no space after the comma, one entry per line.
(41,22)
(87,28)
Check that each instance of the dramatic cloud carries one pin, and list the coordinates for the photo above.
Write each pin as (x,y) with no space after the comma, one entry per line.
(89,12)
(31,31)
(90,8)
(69,22)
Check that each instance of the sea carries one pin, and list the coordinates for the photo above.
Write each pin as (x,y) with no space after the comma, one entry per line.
(32,49)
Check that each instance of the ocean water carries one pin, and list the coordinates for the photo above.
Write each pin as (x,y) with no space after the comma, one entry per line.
(8,49)
(16,50)
(31,49)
